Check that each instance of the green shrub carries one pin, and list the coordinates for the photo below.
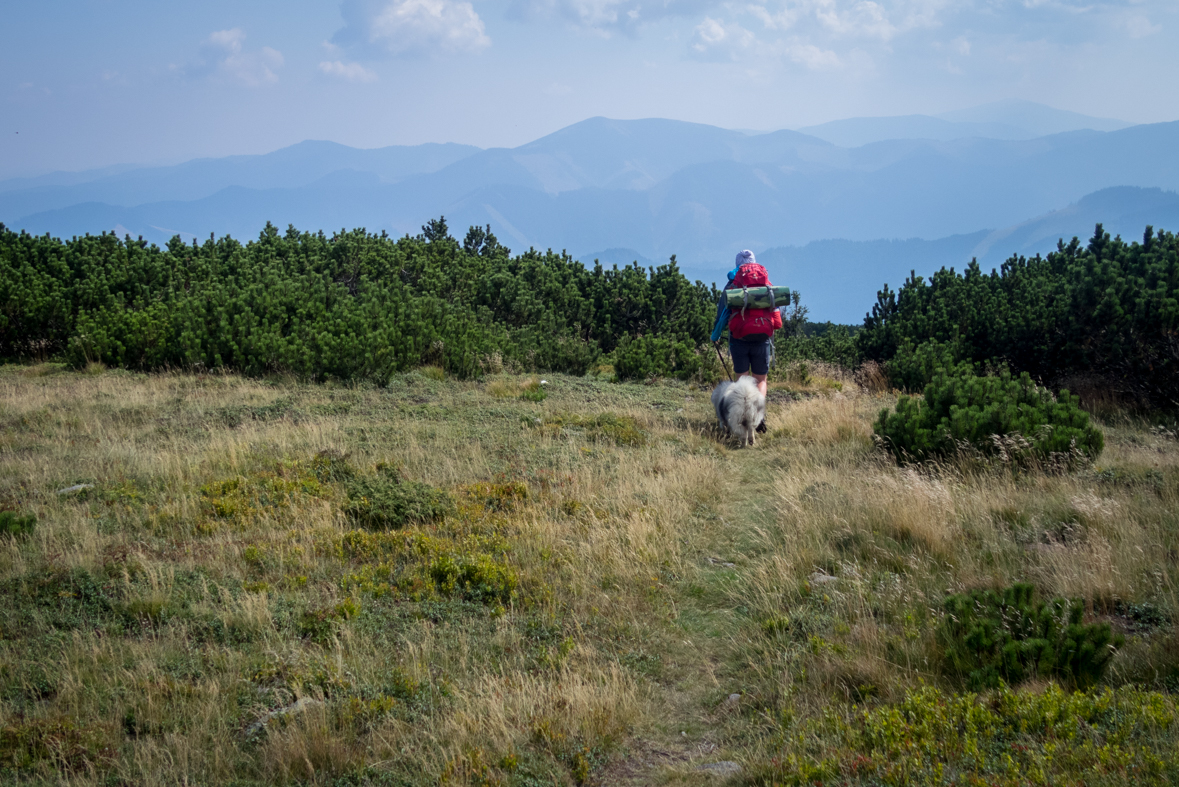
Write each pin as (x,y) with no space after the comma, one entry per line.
(320,625)
(349,306)
(826,342)
(650,356)
(998,416)
(621,430)
(533,391)
(1009,737)
(332,465)
(1108,311)
(1007,636)
(386,501)
(13,524)
(475,577)
(914,366)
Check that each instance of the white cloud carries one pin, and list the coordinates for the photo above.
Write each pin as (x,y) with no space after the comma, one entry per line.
(1139,26)
(229,40)
(607,17)
(718,40)
(865,19)
(226,49)
(822,34)
(715,39)
(812,57)
(782,19)
(353,72)
(412,27)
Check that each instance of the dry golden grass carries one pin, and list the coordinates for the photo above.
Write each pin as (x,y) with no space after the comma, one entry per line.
(658,572)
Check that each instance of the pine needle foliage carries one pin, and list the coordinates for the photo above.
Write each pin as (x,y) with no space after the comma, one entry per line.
(352,306)
(999,416)
(1007,636)
(13,523)
(1109,309)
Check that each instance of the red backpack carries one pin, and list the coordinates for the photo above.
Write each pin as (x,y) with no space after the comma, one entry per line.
(753,324)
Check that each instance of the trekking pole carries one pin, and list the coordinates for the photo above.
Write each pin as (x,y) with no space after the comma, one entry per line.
(721,358)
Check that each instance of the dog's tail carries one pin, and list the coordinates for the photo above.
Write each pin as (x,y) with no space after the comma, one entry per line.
(748,405)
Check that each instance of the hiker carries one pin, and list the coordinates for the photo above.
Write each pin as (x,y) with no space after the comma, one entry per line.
(751,331)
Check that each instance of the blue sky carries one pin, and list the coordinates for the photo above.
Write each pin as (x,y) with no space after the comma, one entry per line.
(88,83)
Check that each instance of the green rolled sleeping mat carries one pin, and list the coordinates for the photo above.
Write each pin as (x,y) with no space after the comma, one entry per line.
(757,297)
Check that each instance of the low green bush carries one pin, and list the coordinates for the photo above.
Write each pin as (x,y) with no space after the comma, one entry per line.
(621,430)
(350,306)
(332,465)
(533,391)
(475,577)
(644,357)
(1011,419)
(1107,311)
(915,365)
(826,342)
(12,523)
(320,625)
(1008,636)
(386,501)
(1009,737)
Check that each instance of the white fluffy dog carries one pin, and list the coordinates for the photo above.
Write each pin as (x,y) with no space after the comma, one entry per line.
(740,407)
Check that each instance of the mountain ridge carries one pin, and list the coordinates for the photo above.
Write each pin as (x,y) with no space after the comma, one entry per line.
(654,187)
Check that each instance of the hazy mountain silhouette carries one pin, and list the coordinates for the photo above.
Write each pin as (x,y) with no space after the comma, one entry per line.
(1001,120)
(646,189)
(854,132)
(297,165)
(1036,119)
(839,278)
(1122,210)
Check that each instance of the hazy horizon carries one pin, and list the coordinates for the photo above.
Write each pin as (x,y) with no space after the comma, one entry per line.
(96,83)
(814,130)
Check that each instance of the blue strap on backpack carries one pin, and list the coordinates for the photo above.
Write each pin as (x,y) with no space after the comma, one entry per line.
(722,309)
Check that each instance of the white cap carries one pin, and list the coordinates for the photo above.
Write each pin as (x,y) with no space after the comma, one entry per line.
(745,258)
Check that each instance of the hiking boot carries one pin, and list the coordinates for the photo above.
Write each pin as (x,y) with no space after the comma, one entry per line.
(761,428)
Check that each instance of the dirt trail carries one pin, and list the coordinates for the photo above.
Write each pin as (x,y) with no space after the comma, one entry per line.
(700,689)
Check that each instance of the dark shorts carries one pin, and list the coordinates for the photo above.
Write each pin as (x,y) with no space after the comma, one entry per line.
(750,356)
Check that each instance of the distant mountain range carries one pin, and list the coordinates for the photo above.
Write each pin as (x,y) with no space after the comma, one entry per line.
(645,189)
(999,120)
(839,278)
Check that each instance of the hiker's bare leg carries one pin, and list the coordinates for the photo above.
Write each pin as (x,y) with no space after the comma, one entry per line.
(760,379)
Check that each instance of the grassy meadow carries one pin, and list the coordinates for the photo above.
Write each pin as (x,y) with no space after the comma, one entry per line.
(570,582)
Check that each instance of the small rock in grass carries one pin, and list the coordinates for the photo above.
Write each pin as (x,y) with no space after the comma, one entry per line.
(302,704)
(69,490)
(819,578)
(722,768)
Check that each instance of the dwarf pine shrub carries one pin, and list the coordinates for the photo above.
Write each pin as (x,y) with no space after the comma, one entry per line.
(914,366)
(352,306)
(1008,418)
(658,356)
(1107,310)
(1007,636)
(13,523)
